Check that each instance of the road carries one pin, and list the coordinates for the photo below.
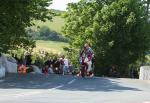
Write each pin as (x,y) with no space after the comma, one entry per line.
(33,88)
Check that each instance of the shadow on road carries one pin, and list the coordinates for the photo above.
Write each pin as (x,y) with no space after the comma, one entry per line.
(98,84)
(32,81)
(29,81)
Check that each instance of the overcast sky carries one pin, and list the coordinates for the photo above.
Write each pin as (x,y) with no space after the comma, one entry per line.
(61,4)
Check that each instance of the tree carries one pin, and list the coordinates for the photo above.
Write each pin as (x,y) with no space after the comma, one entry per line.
(147,4)
(15,17)
(117,30)
(45,33)
(79,18)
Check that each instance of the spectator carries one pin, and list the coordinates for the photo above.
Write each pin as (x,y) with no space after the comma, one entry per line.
(113,72)
(51,69)
(66,65)
(62,64)
(45,69)
(71,68)
(28,60)
(56,66)
(48,63)
(17,59)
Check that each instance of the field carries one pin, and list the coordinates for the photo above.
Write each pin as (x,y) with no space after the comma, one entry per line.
(50,46)
(56,24)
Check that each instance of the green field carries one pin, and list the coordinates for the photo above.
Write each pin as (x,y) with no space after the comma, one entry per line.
(50,46)
(56,24)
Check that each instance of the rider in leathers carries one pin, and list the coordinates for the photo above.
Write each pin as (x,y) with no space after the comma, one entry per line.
(86,58)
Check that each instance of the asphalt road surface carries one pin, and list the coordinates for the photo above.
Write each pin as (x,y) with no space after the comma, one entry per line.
(33,88)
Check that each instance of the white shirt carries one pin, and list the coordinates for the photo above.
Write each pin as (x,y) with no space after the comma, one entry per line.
(66,62)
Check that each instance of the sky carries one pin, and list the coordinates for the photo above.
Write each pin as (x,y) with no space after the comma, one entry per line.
(61,4)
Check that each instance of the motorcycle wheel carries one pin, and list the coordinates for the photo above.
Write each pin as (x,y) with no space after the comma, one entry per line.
(83,71)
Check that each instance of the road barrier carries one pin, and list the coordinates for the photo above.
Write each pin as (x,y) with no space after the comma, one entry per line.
(2,71)
(144,73)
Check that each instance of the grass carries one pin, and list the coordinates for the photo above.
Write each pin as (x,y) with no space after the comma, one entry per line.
(50,46)
(56,24)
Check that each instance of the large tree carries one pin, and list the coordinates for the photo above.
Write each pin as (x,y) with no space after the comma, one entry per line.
(117,30)
(15,17)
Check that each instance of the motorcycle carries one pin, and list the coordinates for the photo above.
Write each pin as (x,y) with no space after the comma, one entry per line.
(84,69)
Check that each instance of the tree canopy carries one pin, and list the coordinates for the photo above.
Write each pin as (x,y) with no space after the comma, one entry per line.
(117,29)
(15,17)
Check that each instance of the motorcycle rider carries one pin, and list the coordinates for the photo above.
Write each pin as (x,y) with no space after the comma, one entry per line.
(86,59)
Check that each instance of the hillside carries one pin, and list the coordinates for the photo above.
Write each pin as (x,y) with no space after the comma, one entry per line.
(56,24)
(50,46)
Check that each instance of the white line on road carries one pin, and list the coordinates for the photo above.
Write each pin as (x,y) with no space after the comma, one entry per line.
(60,86)
(35,92)
(71,81)
(57,87)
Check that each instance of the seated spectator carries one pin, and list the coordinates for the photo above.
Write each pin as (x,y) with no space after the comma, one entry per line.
(45,69)
(38,62)
(62,65)
(17,59)
(113,72)
(28,60)
(48,62)
(51,70)
(71,69)
(22,69)
(56,66)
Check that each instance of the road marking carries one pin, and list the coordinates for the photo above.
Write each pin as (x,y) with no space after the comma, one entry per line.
(57,87)
(71,81)
(60,86)
(35,92)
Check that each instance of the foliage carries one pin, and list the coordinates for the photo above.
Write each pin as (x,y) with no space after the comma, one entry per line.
(147,5)
(117,29)
(42,58)
(15,17)
(57,12)
(56,24)
(44,33)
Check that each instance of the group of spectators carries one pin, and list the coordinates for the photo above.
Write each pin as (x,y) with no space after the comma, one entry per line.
(58,66)
(51,66)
